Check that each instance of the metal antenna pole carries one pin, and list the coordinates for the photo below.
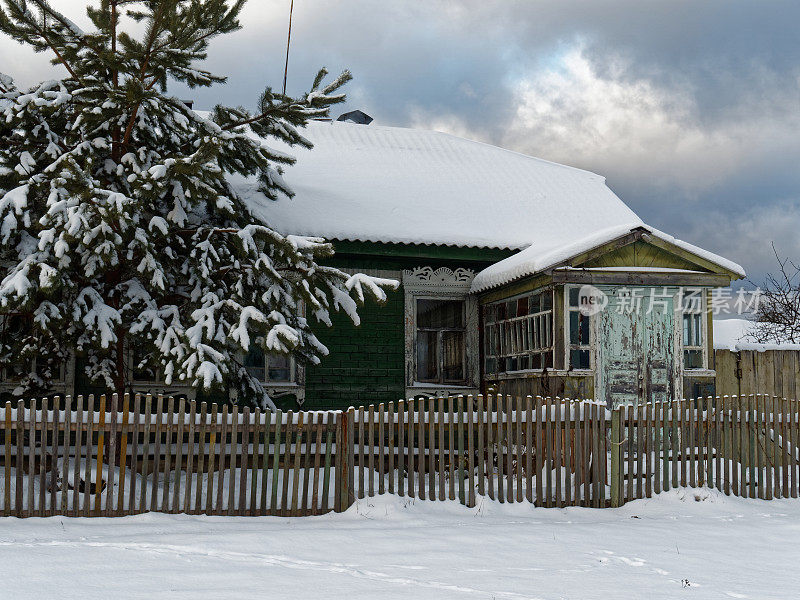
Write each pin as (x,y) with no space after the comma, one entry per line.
(288,41)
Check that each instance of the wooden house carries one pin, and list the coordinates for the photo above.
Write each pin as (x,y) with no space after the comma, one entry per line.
(503,260)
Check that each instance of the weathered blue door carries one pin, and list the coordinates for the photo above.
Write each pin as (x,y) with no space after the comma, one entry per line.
(634,341)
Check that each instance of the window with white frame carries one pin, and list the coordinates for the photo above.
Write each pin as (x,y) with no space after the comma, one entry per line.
(440,341)
(518,333)
(269,368)
(578,344)
(693,335)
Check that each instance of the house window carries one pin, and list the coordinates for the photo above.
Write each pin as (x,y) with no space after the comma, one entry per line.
(693,322)
(143,372)
(269,368)
(578,354)
(518,333)
(440,341)
(13,328)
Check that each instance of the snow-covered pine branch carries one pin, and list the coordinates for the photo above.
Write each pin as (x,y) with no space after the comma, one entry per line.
(121,233)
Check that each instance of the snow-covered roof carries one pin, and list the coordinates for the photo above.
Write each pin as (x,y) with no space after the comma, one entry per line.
(389,184)
(736,334)
(544,253)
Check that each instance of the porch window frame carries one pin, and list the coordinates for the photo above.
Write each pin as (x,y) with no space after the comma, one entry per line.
(568,345)
(700,313)
(496,327)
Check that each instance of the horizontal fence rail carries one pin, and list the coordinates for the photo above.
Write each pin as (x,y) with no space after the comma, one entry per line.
(126,456)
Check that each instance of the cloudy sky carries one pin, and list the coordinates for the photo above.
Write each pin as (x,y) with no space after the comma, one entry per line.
(690,109)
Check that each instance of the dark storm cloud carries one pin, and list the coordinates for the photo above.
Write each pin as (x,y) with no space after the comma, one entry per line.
(691,109)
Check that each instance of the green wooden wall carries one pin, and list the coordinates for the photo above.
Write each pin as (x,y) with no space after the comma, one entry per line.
(366,364)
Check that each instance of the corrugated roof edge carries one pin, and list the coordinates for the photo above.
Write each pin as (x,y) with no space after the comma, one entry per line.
(527,262)
(418,243)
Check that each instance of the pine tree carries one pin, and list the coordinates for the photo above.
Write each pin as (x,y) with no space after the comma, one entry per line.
(120,231)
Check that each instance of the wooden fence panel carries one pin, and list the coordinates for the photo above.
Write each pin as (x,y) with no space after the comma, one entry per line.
(549,452)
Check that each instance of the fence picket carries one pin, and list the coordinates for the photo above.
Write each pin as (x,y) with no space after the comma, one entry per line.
(112,452)
(319,422)
(443,452)
(557,451)
(381,448)
(7,462)
(548,453)
(264,433)
(538,469)
(157,431)
(54,428)
(410,412)
(287,445)
(579,455)
(87,471)
(41,508)
(589,457)
(307,462)
(784,447)
(471,454)
(167,427)
(231,459)
(277,421)
(461,491)
(794,462)
(244,460)
(179,433)
(390,421)
(401,448)
(123,450)
(511,448)
(222,459)
(195,506)
(421,456)
(529,446)
(502,448)
(431,450)
(602,454)
(490,453)
(327,472)
(362,455)
(298,452)
(644,470)
(190,466)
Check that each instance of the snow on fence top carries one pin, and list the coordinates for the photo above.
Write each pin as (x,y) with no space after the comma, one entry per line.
(389,184)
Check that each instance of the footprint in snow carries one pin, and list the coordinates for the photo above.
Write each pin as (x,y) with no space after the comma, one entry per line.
(735,595)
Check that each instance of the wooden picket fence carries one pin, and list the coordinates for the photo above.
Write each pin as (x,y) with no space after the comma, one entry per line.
(165,455)
(741,445)
(141,454)
(551,452)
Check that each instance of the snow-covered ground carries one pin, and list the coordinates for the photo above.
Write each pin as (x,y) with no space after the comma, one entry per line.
(681,544)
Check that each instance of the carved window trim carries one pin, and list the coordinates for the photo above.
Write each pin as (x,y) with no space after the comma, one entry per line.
(445,284)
